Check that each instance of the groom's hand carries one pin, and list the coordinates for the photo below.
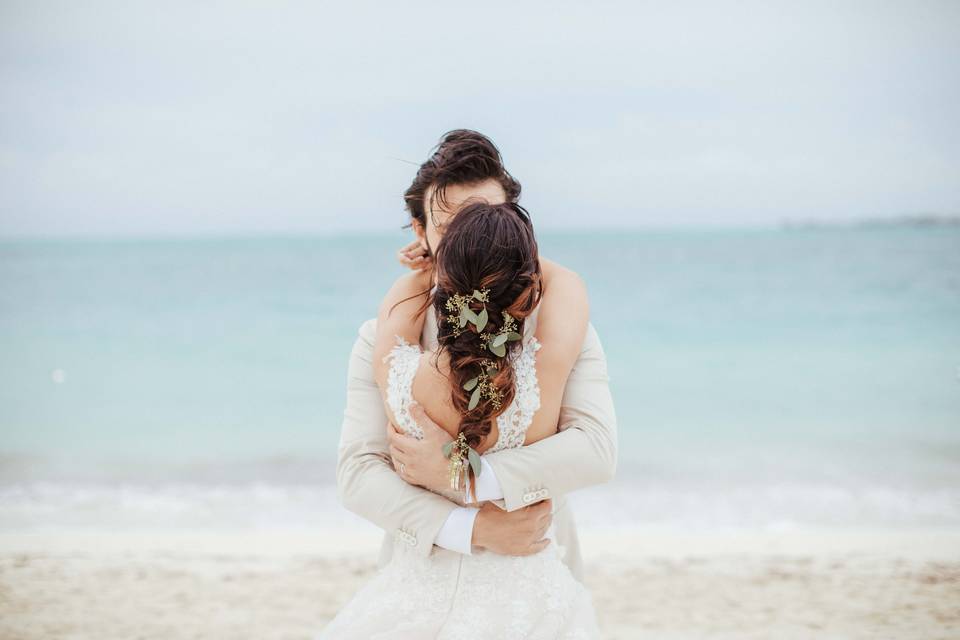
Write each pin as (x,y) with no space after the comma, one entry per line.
(513,533)
(423,461)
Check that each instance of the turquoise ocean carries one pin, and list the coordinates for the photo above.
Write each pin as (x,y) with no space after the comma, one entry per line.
(763,378)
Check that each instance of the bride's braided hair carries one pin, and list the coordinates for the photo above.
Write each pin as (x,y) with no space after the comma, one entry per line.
(490,249)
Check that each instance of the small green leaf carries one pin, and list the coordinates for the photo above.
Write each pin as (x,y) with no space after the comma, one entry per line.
(499,339)
(464,317)
(471,383)
(447,448)
(474,458)
(474,399)
(471,316)
(498,349)
(492,371)
(477,295)
(482,320)
(513,335)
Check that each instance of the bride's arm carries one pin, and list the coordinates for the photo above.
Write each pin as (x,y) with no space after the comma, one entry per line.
(399,315)
(582,453)
(575,406)
(561,327)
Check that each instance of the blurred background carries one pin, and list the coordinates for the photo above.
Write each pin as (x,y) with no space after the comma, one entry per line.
(200,203)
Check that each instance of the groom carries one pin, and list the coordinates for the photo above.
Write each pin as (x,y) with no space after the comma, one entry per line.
(525,486)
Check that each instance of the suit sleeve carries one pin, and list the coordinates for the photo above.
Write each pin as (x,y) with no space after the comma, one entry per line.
(366,481)
(584,450)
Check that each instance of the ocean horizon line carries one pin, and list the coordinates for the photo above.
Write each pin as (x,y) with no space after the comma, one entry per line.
(919,220)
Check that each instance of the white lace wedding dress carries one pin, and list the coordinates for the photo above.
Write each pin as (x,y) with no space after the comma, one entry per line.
(467,597)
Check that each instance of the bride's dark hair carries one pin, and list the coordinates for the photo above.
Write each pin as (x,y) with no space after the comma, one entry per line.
(485,247)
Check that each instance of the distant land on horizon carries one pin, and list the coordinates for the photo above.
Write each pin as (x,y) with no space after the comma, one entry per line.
(909,220)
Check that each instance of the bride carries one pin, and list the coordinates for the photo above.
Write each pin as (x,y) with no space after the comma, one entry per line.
(481,385)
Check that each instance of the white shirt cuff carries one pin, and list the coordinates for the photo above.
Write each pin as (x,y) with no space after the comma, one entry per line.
(456,534)
(488,487)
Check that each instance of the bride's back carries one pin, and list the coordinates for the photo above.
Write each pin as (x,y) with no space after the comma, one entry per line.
(431,388)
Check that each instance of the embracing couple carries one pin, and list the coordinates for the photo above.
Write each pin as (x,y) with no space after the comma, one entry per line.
(476,402)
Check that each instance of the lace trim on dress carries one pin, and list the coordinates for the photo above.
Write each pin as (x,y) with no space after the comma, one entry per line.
(512,424)
(403,360)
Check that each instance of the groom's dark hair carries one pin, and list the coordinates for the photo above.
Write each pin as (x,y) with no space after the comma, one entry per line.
(461,157)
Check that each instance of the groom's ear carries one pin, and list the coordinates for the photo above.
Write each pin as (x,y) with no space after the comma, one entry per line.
(421,235)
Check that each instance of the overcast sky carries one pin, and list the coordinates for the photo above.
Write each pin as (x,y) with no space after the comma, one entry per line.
(137,118)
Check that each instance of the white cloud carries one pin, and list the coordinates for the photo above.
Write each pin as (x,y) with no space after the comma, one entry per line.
(219,117)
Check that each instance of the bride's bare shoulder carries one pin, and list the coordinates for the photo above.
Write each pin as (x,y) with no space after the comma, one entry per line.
(564,311)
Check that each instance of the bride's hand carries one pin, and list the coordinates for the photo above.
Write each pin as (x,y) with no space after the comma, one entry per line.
(422,461)
(414,256)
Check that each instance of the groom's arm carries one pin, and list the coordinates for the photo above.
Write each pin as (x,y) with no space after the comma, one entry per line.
(367,483)
(582,453)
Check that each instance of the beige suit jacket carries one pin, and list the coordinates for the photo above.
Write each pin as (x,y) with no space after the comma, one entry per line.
(582,453)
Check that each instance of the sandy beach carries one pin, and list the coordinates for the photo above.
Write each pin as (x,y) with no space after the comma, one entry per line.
(831,584)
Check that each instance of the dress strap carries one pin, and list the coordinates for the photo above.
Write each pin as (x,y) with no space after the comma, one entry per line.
(404,358)
(513,423)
